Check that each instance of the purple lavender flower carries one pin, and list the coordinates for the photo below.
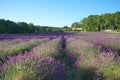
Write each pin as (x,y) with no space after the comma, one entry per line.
(33,67)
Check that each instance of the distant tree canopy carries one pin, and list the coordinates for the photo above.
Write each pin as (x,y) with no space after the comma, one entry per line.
(10,27)
(102,22)
(99,22)
(75,25)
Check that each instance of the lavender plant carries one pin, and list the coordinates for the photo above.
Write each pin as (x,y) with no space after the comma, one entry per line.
(50,48)
(108,67)
(76,47)
(14,49)
(103,66)
(92,63)
(31,67)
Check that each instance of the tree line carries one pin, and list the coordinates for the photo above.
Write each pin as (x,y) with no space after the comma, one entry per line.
(99,22)
(102,22)
(8,27)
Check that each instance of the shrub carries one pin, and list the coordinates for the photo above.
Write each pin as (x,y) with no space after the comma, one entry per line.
(31,67)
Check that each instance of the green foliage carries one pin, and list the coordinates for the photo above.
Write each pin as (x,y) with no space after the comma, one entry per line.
(99,22)
(75,25)
(10,27)
(94,23)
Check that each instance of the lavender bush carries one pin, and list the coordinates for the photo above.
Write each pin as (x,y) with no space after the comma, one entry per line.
(93,62)
(8,49)
(76,47)
(108,67)
(103,66)
(86,56)
(50,48)
(31,67)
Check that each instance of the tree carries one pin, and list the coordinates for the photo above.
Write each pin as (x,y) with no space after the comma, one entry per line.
(100,22)
(31,28)
(75,25)
(2,26)
(23,27)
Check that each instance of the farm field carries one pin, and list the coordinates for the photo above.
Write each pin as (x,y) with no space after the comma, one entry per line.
(60,56)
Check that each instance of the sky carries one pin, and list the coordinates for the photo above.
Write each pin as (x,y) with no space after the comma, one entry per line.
(57,13)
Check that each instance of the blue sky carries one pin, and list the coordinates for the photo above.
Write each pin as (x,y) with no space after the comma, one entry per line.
(54,12)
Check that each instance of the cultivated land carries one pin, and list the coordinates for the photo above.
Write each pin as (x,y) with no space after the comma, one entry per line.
(60,56)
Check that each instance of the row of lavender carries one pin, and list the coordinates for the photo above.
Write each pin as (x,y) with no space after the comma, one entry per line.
(13,47)
(94,56)
(37,64)
(85,56)
(110,41)
(31,36)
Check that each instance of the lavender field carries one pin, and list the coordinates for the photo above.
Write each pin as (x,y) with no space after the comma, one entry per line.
(60,56)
